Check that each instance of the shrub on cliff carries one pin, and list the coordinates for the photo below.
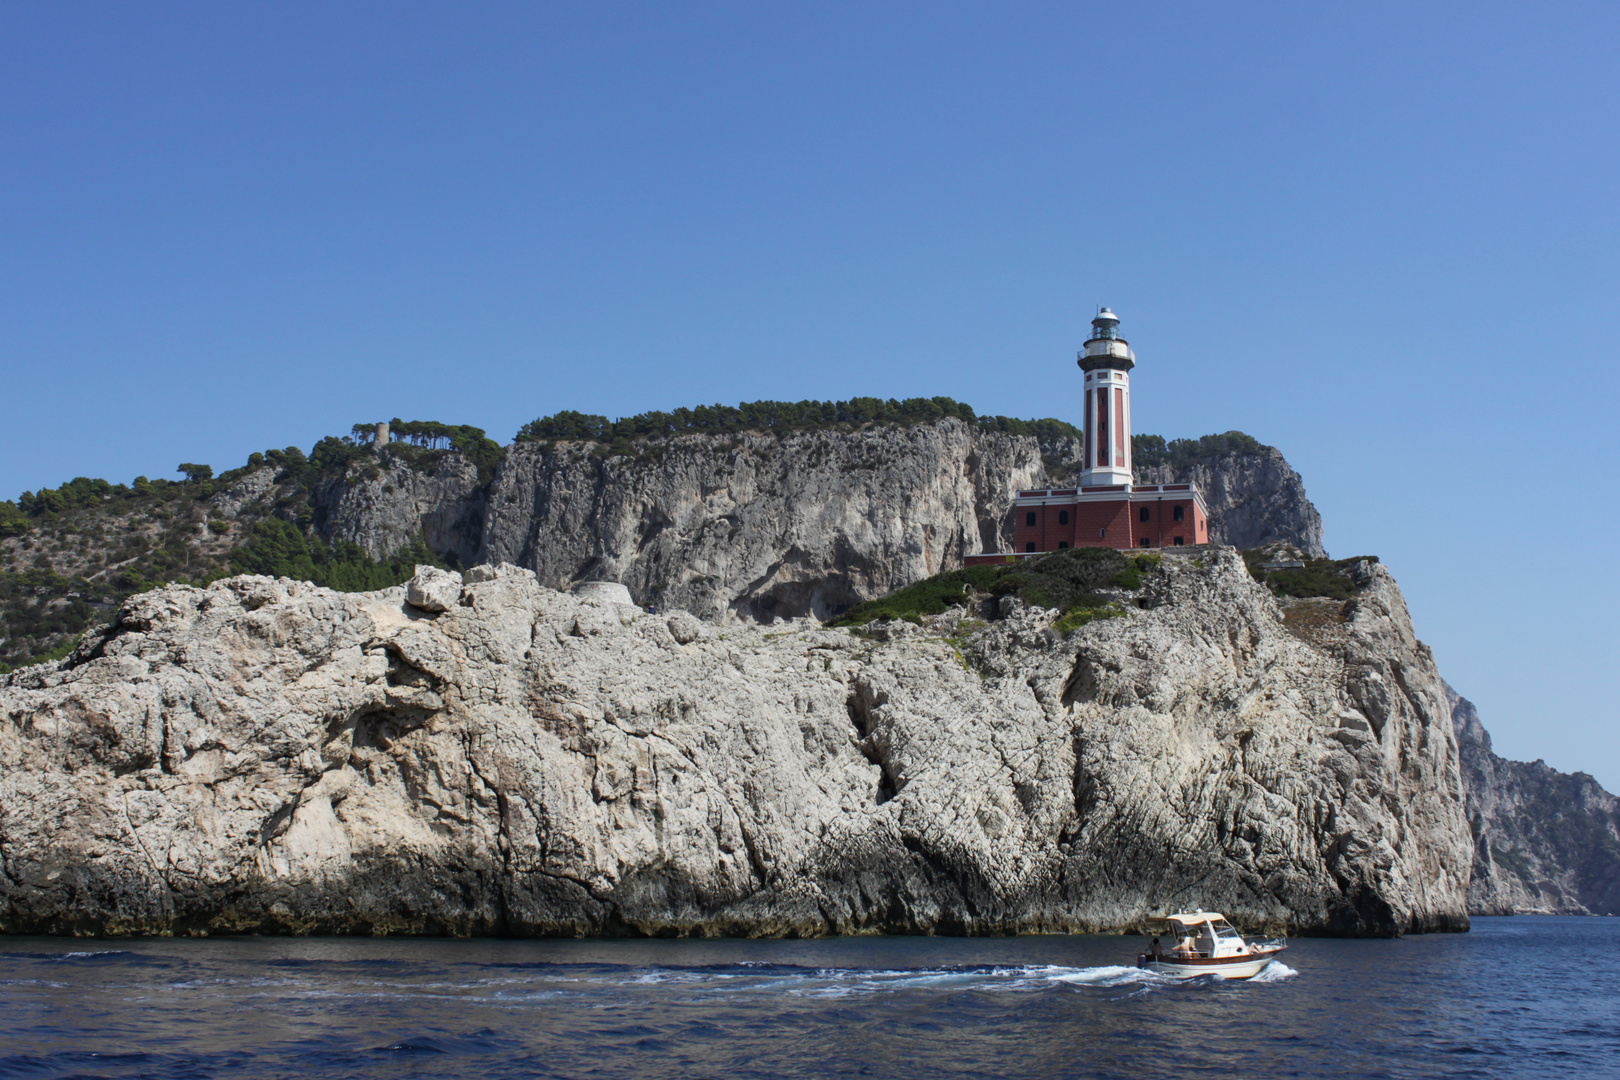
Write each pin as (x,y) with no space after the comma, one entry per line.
(779,416)
(1150,450)
(277,548)
(1328,578)
(1065,580)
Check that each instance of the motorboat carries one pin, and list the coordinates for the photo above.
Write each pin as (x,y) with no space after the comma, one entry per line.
(1203,943)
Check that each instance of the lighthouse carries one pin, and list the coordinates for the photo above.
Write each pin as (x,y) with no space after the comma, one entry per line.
(1107,360)
(1107,508)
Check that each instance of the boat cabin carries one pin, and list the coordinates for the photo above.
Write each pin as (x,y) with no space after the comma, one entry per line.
(1202,934)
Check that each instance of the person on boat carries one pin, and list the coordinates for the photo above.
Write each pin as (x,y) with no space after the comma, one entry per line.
(1156,950)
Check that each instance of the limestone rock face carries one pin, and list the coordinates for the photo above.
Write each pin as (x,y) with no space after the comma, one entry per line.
(760,526)
(383,504)
(1253,499)
(603,592)
(1545,842)
(265,755)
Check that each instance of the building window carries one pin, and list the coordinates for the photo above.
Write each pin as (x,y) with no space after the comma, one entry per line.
(1147,541)
(1178,541)
(1102,534)
(1062,544)
(1063,517)
(1145,513)
(1030,546)
(1177,513)
(1029,518)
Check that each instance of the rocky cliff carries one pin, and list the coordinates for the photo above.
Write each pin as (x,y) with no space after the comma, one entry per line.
(1254,499)
(483,754)
(767,525)
(1545,842)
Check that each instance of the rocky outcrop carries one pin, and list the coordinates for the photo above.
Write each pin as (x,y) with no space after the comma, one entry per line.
(760,525)
(764,526)
(1545,842)
(498,757)
(1254,499)
(384,503)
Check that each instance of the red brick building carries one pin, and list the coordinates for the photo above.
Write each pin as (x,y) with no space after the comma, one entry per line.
(1107,509)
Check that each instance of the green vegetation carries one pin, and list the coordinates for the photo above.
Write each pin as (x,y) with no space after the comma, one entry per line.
(70,555)
(1065,580)
(1078,617)
(1329,578)
(430,435)
(277,548)
(13,522)
(930,596)
(1150,450)
(43,614)
(778,416)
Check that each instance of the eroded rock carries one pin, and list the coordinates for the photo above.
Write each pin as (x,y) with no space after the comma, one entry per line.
(269,756)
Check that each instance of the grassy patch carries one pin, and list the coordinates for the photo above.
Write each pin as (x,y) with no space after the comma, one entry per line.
(1319,577)
(1065,580)
(1080,616)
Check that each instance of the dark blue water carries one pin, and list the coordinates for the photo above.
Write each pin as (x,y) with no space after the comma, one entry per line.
(1525,997)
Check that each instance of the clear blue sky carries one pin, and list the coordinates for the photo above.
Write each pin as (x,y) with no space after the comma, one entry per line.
(1382,237)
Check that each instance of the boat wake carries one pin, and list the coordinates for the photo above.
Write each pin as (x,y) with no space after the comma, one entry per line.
(848,982)
(1276,971)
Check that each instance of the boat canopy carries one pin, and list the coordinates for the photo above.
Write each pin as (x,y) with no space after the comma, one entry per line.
(1190,921)
(1193,918)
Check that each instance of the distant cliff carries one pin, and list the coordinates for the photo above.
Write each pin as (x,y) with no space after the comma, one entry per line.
(747,522)
(1255,498)
(767,525)
(1544,841)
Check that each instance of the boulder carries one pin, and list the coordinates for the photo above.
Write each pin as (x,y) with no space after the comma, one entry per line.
(433,589)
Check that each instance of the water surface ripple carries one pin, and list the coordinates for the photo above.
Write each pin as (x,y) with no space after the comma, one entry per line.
(1523,997)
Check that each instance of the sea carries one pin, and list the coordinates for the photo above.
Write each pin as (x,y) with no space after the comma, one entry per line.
(1516,997)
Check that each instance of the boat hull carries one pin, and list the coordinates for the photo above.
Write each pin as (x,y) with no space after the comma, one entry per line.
(1226,967)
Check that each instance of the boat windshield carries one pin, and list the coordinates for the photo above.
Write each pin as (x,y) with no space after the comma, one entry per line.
(1224,929)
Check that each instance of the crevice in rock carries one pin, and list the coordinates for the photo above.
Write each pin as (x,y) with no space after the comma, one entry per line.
(1083,683)
(279,820)
(872,749)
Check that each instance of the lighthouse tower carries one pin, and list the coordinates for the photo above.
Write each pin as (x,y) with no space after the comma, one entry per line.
(1107,508)
(1107,361)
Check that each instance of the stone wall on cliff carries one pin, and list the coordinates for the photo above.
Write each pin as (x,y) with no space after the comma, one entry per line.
(482,754)
(763,525)
(1545,842)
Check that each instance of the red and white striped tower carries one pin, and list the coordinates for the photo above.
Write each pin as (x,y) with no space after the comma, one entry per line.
(1107,361)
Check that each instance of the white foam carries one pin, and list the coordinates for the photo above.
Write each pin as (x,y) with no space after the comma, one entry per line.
(1276,971)
(1109,975)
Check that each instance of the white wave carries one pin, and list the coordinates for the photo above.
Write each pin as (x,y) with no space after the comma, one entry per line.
(1276,971)
(1109,975)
